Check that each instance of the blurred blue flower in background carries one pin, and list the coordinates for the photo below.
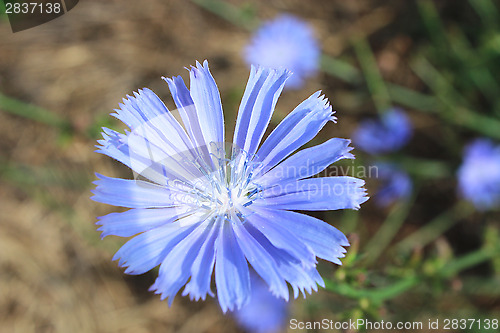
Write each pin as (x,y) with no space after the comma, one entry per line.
(384,135)
(479,174)
(198,207)
(396,184)
(264,313)
(288,42)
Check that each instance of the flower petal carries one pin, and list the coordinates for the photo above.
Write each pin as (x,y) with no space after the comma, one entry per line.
(148,137)
(134,115)
(131,193)
(147,250)
(264,312)
(264,221)
(300,278)
(175,269)
(114,145)
(326,193)
(155,120)
(138,220)
(257,105)
(149,161)
(326,241)
(298,128)
(307,162)
(201,271)
(261,261)
(231,271)
(206,98)
(187,110)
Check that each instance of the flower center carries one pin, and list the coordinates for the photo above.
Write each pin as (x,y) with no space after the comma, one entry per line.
(224,201)
(230,184)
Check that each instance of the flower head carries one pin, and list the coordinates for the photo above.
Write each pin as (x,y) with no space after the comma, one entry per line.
(387,134)
(396,184)
(199,207)
(479,175)
(288,42)
(264,312)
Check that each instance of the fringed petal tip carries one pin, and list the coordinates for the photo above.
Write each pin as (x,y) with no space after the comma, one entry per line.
(360,197)
(281,70)
(196,296)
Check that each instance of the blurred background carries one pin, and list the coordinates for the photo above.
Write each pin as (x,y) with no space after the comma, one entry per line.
(426,253)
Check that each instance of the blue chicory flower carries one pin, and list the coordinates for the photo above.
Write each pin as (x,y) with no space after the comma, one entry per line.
(289,42)
(264,313)
(396,184)
(198,207)
(479,174)
(384,135)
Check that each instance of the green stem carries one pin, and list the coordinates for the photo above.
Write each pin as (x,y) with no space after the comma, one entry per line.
(425,168)
(402,285)
(377,295)
(237,16)
(453,108)
(340,69)
(387,231)
(411,98)
(374,80)
(32,112)
(430,18)
(435,228)
(488,12)
(466,261)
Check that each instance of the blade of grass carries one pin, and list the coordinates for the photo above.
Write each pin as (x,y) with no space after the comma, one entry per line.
(401,285)
(453,107)
(433,24)
(374,80)
(474,65)
(3,14)
(376,295)
(340,69)
(245,19)
(487,11)
(32,112)
(423,168)
(467,261)
(387,231)
(435,228)
(411,98)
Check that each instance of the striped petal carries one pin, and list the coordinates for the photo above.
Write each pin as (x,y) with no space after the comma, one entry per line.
(201,271)
(231,271)
(261,94)
(147,250)
(307,162)
(327,193)
(175,269)
(206,99)
(261,261)
(300,278)
(135,221)
(131,193)
(325,241)
(298,128)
